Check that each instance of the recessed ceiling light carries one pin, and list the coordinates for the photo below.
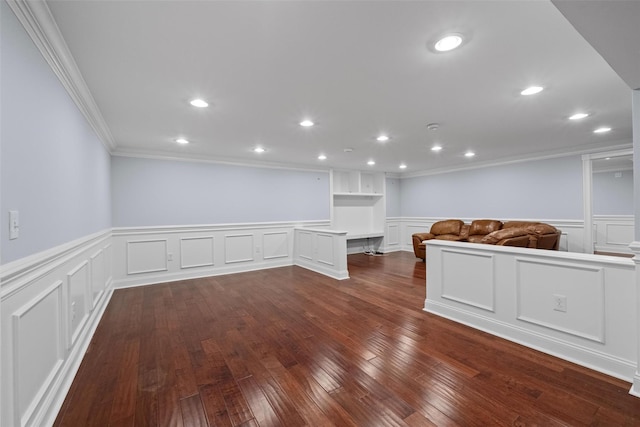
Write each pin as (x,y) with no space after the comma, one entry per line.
(200,103)
(469,154)
(603,129)
(371,163)
(532,90)
(436,148)
(402,166)
(578,116)
(348,150)
(382,138)
(448,42)
(607,158)
(433,126)
(182,141)
(259,150)
(322,157)
(306,123)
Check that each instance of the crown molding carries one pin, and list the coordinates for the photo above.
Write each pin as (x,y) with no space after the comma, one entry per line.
(622,145)
(38,22)
(176,157)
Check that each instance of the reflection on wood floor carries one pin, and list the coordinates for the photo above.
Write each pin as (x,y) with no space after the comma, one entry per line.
(290,347)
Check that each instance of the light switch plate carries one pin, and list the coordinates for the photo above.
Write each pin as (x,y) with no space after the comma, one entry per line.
(14,225)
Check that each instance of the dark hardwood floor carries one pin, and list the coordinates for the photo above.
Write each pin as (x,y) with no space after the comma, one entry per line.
(290,347)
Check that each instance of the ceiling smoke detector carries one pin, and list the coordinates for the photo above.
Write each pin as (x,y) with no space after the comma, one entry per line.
(433,126)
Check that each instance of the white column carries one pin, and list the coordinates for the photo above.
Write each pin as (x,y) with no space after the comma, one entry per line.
(635,246)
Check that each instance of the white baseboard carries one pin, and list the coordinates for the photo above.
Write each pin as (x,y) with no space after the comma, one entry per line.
(601,362)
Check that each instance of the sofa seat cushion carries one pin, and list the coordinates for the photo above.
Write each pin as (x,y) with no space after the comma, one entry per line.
(449,226)
(476,238)
(505,233)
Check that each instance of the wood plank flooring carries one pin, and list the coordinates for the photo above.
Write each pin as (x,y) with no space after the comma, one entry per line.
(290,347)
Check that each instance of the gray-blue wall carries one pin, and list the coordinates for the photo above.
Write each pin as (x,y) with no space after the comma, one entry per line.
(613,195)
(53,168)
(149,192)
(541,189)
(392,196)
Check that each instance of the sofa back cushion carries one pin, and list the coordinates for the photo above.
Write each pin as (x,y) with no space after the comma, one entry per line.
(484,226)
(448,226)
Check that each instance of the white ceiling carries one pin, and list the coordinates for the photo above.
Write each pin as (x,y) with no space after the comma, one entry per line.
(357,68)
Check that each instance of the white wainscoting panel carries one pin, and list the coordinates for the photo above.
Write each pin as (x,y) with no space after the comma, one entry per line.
(42,342)
(304,244)
(238,248)
(204,250)
(146,256)
(325,248)
(38,350)
(539,282)
(392,241)
(196,252)
(321,250)
(613,233)
(79,300)
(276,245)
(472,285)
(98,278)
(597,329)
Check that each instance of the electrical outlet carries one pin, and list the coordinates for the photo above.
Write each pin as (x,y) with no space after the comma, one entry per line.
(169,257)
(73,311)
(14,225)
(257,249)
(560,303)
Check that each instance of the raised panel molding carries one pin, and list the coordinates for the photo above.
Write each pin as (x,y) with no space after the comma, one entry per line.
(468,278)
(146,256)
(537,282)
(79,301)
(393,234)
(325,249)
(238,248)
(98,278)
(275,245)
(305,245)
(196,252)
(38,351)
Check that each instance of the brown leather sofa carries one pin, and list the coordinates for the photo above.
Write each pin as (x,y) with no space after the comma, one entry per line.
(526,234)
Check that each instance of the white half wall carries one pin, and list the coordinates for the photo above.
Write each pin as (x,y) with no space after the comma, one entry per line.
(50,305)
(323,251)
(613,233)
(578,307)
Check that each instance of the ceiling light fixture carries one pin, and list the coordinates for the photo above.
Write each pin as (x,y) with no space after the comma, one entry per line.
(578,116)
(371,163)
(532,90)
(603,129)
(402,166)
(322,157)
(436,148)
(200,103)
(469,154)
(306,123)
(182,141)
(448,42)
(259,150)
(382,138)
